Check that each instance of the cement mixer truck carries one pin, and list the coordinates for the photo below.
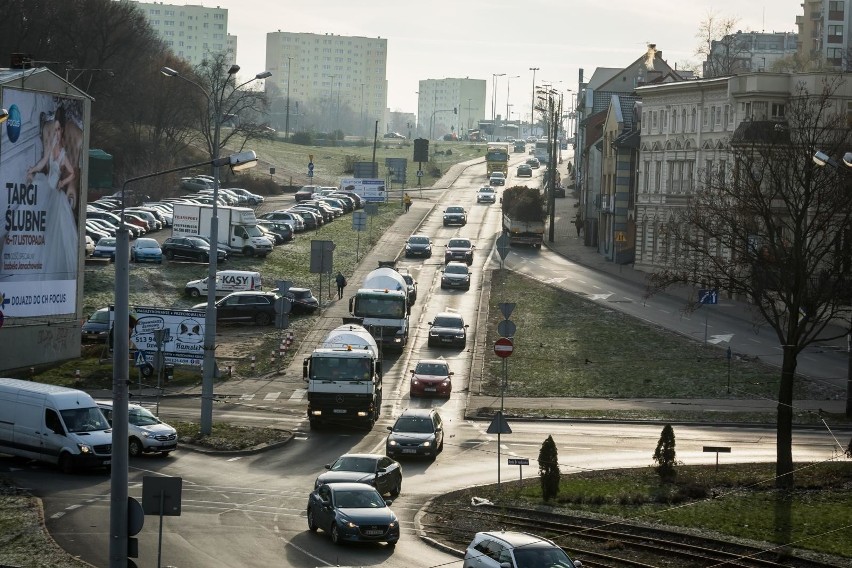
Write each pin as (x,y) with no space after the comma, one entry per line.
(381,304)
(344,376)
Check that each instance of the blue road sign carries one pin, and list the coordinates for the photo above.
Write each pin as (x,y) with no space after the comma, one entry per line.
(139,359)
(708,297)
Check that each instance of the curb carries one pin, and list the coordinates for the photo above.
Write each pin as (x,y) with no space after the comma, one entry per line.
(429,540)
(246,452)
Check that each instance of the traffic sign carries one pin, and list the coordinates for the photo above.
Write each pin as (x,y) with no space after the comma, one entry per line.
(503,246)
(708,297)
(620,237)
(506,308)
(498,425)
(359,221)
(420,173)
(139,359)
(503,347)
(506,328)
(519,461)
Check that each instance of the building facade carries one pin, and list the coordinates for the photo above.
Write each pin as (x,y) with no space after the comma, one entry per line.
(824,29)
(332,82)
(743,52)
(192,32)
(449,106)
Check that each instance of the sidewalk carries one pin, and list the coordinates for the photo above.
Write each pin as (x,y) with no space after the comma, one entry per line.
(566,243)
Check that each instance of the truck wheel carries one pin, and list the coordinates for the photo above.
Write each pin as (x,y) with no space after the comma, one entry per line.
(248,251)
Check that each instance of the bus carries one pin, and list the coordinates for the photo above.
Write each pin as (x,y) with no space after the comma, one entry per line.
(541,150)
(497,159)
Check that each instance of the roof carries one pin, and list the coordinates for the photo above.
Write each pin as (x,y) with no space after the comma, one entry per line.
(517,539)
(421,412)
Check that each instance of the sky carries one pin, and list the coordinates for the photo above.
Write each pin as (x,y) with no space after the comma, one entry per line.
(437,39)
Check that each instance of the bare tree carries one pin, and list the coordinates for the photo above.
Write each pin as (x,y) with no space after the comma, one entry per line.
(775,230)
(723,51)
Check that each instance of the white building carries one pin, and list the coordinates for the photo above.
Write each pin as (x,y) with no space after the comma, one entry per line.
(192,32)
(333,82)
(449,106)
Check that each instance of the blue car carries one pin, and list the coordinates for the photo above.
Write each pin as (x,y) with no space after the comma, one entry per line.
(146,250)
(353,512)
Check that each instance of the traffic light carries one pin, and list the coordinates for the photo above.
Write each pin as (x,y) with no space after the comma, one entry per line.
(421,150)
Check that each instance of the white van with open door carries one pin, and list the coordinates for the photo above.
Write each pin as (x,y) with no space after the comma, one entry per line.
(53,424)
(227,281)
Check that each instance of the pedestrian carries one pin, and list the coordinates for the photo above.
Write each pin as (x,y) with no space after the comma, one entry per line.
(407,201)
(341,284)
(578,222)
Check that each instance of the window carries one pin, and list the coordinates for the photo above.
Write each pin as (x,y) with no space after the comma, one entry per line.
(647,177)
(718,116)
(777,111)
(658,175)
(654,120)
(683,120)
(664,120)
(705,116)
(722,170)
(714,119)
(692,124)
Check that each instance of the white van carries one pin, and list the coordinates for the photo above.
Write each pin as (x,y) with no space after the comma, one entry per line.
(147,432)
(227,281)
(53,424)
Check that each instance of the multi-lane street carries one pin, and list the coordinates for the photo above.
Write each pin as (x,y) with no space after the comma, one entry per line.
(249,510)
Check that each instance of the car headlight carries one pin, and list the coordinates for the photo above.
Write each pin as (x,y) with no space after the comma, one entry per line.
(426,444)
(85,449)
(147,434)
(460,335)
(407,246)
(391,442)
(433,333)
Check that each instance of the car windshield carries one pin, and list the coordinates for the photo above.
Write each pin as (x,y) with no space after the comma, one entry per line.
(340,369)
(142,417)
(380,307)
(84,419)
(414,425)
(409,279)
(100,316)
(197,242)
(537,557)
(351,463)
(459,243)
(431,369)
(497,175)
(147,244)
(106,242)
(455,209)
(447,322)
(358,499)
(418,240)
(455,269)
(486,190)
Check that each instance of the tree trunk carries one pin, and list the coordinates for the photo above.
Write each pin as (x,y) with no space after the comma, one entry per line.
(784,443)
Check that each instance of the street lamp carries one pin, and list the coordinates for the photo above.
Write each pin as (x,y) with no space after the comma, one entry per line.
(118,519)
(494,101)
(216,100)
(821,159)
(532,105)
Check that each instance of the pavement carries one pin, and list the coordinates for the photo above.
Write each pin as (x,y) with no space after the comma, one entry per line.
(287,388)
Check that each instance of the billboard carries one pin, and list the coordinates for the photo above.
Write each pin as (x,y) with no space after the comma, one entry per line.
(40,172)
(184,343)
(369,189)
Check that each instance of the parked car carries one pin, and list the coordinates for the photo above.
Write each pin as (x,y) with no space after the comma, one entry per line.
(274,238)
(310,218)
(302,300)
(448,329)
(245,307)
(460,249)
(352,512)
(96,327)
(455,215)
(524,171)
(497,549)
(90,245)
(394,136)
(382,472)
(456,275)
(146,250)
(297,224)
(418,245)
(431,377)
(195,183)
(148,434)
(486,194)
(105,248)
(497,178)
(251,198)
(417,432)
(305,192)
(220,247)
(191,248)
(281,229)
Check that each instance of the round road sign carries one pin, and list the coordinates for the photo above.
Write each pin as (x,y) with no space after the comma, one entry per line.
(503,347)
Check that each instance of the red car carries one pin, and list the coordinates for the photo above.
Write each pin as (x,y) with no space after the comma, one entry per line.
(431,377)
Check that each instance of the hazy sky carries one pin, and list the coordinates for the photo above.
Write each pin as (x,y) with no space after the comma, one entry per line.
(436,39)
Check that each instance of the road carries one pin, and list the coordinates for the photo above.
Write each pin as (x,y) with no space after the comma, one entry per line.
(249,510)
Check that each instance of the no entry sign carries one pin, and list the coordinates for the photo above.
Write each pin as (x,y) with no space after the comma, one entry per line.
(503,347)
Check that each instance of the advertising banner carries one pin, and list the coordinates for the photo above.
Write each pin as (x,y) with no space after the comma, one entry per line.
(186,220)
(42,149)
(184,341)
(369,189)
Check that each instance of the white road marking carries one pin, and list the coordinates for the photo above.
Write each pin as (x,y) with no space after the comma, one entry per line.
(235,459)
(298,394)
(272,395)
(246,396)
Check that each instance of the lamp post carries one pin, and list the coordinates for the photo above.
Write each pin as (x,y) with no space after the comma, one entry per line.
(821,159)
(215,102)
(118,520)
(494,101)
(508,82)
(532,104)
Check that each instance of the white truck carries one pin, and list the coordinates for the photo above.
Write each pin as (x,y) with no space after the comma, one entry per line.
(237,227)
(382,305)
(344,376)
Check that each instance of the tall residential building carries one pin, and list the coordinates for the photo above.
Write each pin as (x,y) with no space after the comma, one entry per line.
(327,82)
(449,106)
(743,52)
(192,32)
(824,32)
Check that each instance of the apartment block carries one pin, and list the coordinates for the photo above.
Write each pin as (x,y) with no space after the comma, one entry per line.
(824,32)
(449,106)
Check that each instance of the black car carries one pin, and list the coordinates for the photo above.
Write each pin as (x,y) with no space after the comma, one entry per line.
(283,230)
(524,170)
(448,329)
(245,307)
(311,219)
(418,245)
(192,248)
(417,432)
(302,300)
(456,275)
(382,472)
(460,250)
(412,287)
(96,327)
(455,215)
(352,512)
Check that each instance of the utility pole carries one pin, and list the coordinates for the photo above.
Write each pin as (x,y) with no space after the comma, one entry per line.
(287,119)
(508,82)
(532,105)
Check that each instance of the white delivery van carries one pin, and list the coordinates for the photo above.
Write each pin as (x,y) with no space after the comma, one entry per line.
(147,432)
(53,424)
(227,281)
